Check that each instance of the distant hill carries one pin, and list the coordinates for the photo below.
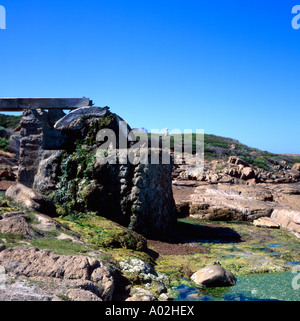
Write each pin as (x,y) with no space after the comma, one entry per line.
(218,147)
(9,121)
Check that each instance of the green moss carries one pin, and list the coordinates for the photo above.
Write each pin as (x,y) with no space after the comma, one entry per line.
(104,233)
(127,254)
(63,297)
(3,144)
(77,169)
(11,240)
(7,205)
(66,246)
(108,121)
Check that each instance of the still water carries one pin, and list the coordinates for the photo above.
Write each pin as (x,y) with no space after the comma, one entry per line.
(258,287)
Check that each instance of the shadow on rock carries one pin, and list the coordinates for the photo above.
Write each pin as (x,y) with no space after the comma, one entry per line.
(197,233)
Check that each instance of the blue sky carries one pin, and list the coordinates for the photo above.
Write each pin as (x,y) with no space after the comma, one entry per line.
(229,67)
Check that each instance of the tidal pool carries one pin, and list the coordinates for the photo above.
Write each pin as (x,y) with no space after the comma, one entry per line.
(257,287)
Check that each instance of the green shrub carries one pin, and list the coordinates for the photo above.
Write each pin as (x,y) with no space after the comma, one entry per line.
(259,162)
(9,121)
(3,144)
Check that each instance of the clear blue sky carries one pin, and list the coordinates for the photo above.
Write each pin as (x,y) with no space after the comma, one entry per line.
(229,67)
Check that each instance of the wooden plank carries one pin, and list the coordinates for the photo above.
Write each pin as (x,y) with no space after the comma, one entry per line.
(19,104)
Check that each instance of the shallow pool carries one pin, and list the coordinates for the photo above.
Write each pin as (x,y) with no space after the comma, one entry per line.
(258,287)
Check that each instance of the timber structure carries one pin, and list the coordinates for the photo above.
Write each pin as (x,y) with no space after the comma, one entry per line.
(20,104)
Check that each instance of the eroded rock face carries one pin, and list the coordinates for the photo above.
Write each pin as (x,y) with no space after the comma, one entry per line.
(37,134)
(222,202)
(30,262)
(228,203)
(16,225)
(136,196)
(78,114)
(64,163)
(48,171)
(288,219)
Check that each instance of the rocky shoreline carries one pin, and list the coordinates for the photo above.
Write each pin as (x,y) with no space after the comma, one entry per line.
(73,229)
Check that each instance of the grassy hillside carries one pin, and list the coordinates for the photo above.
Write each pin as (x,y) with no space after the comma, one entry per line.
(217,147)
(7,124)
(9,121)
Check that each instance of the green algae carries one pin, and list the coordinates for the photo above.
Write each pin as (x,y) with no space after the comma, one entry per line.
(64,247)
(259,250)
(104,233)
(76,175)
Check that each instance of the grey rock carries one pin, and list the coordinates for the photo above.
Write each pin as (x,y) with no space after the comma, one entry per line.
(37,134)
(213,276)
(31,199)
(30,262)
(16,225)
(164,297)
(237,161)
(140,294)
(46,178)
(137,266)
(82,295)
(65,122)
(20,291)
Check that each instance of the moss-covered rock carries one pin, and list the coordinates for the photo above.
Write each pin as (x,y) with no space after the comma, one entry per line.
(136,196)
(104,233)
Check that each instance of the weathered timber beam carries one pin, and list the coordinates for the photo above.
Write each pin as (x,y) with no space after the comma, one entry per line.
(19,104)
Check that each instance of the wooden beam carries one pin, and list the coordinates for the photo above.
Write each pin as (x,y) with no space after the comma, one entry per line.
(19,104)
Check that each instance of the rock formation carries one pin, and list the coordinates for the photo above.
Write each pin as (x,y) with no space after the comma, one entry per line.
(37,135)
(237,171)
(288,219)
(213,276)
(59,160)
(94,278)
(30,199)
(241,202)
(296,167)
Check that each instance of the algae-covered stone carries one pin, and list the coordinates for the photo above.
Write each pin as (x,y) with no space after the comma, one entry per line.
(138,196)
(105,233)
